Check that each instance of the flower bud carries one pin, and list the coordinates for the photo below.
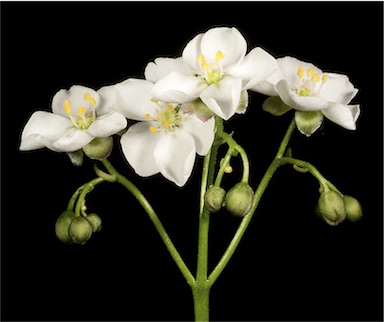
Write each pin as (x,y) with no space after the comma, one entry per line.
(95,222)
(331,207)
(353,208)
(214,198)
(198,108)
(80,230)
(62,225)
(99,148)
(239,199)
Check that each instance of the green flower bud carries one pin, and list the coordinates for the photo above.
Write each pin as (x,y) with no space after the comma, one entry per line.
(95,222)
(243,103)
(80,230)
(99,148)
(239,199)
(353,208)
(214,198)
(62,225)
(331,207)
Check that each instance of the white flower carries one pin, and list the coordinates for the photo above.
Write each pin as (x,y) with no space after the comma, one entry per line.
(166,139)
(312,93)
(78,117)
(215,69)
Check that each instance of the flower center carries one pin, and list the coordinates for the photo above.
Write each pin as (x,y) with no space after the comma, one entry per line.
(310,82)
(167,117)
(84,116)
(211,72)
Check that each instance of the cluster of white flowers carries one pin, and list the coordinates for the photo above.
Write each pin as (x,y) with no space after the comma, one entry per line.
(175,103)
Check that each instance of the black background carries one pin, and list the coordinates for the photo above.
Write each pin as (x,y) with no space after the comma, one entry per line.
(290,265)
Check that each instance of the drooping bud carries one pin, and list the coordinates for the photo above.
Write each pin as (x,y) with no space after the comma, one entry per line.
(99,148)
(95,222)
(214,198)
(239,199)
(80,230)
(353,208)
(331,207)
(62,226)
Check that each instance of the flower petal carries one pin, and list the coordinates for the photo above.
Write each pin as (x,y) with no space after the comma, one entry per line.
(227,40)
(138,145)
(203,132)
(76,97)
(178,88)
(72,141)
(338,89)
(175,156)
(301,103)
(107,125)
(223,97)
(43,128)
(163,66)
(257,66)
(132,98)
(343,115)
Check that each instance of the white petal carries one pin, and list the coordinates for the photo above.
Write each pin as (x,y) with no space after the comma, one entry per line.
(72,141)
(175,156)
(203,132)
(227,40)
(223,97)
(301,103)
(138,144)
(107,125)
(267,87)
(163,66)
(178,88)
(257,66)
(338,89)
(76,97)
(191,51)
(42,128)
(343,115)
(132,98)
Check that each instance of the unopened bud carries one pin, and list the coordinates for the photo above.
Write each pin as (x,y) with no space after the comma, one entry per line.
(62,226)
(239,199)
(198,108)
(331,207)
(214,198)
(99,148)
(80,230)
(95,222)
(353,208)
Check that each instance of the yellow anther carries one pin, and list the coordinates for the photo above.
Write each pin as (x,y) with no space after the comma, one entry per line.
(169,107)
(81,111)
(152,129)
(200,59)
(67,107)
(146,116)
(300,72)
(88,97)
(167,123)
(219,56)
(315,78)
(310,72)
(324,79)
(154,100)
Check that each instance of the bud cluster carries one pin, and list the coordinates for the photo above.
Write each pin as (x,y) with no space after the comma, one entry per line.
(70,228)
(334,208)
(237,201)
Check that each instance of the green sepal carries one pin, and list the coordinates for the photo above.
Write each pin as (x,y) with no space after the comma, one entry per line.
(76,157)
(308,121)
(275,106)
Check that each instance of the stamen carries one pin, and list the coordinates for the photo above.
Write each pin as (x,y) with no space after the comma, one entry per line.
(153,130)
(219,56)
(169,107)
(167,123)
(147,116)
(300,71)
(67,107)
(324,79)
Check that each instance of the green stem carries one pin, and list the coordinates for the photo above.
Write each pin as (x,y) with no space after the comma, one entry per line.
(155,220)
(200,290)
(85,189)
(275,164)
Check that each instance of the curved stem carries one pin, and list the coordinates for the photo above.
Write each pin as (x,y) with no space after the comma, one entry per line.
(85,189)
(155,220)
(284,143)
